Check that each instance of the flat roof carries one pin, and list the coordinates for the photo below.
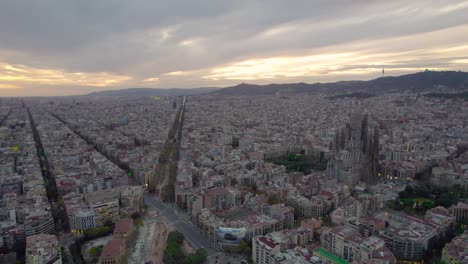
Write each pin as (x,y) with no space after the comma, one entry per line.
(329,256)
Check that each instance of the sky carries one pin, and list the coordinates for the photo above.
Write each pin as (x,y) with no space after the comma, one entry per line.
(72,47)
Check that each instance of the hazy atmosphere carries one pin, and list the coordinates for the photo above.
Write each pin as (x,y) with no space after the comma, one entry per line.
(233,132)
(76,47)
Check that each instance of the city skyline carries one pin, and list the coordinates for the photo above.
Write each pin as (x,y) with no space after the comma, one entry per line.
(209,132)
(59,48)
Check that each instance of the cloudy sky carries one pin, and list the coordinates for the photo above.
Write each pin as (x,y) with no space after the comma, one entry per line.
(64,47)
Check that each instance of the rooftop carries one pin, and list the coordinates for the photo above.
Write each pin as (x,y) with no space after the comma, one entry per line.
(123,225)
(329,256)
(113,248)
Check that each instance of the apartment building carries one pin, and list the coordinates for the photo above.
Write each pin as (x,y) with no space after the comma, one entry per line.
(43,249)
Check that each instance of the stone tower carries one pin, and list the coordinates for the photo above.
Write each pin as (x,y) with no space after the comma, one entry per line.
(355,151)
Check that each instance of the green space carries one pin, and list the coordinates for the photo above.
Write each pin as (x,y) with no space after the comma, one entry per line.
(173,253)
(329,256)
(244,249)
(137,221)
(418,198)
(95,252)
(299,163)
(326,221)
(97,232)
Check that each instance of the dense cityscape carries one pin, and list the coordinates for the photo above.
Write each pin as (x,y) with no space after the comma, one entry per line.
(280,178)
(233,132)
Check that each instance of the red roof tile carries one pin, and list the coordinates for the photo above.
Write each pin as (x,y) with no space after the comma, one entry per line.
(267,241)
(113,248)
(123,226)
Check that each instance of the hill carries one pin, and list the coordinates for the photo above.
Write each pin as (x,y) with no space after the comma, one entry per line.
(463,95)
(427,81)
(152,92)
(359,95)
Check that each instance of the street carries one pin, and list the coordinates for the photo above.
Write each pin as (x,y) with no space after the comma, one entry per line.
(175,218)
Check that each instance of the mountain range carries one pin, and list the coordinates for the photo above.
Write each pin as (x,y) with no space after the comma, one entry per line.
(153,92)
(426,81)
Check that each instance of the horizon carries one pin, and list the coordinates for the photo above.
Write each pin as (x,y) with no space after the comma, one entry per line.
(217,88)
(77,48)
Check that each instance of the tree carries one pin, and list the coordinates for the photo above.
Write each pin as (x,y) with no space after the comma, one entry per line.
(427,205)
(97,232)
(108,223)
(243,245)
(327,221)
(409,189)
(404,194)
(234,181)
(135,215)
(273,199)
(198,257)
(173,253)
(93,252)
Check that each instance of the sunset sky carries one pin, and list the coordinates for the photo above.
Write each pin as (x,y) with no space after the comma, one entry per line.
(71,47)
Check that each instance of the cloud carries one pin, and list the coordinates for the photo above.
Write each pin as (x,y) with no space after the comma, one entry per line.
(211,43)
(176,73)
(356,58)
(8,86)
(151,79)
(30,75)
(462,61)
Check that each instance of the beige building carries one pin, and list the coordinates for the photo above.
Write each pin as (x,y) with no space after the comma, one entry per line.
(264,249)
(460,211)
(106,211)
(308,208)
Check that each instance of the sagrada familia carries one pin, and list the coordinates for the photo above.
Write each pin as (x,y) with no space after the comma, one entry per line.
(355,152)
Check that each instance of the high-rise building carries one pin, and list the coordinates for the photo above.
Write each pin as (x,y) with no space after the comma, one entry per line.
(355,151)
(39,222)
(460,211)
(82,219)
(263,250)
(106,211)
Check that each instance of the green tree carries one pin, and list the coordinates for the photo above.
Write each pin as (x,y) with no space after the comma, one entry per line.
(327,221)
(135,215)
(243,245)
(173,253)
(97,232)
(93,252)
(198,257)
(427,205)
